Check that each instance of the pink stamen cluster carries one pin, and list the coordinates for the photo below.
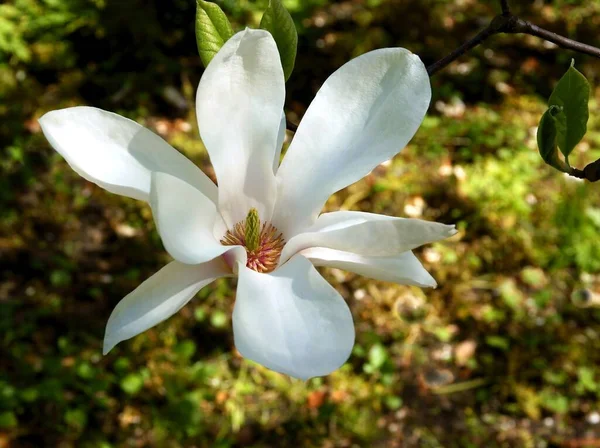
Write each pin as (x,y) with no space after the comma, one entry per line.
(266,256)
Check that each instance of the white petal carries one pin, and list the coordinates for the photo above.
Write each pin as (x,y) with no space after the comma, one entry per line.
(185,219)
(365,113)
(158,298)
(116,153)
(404,269)
(292,321)
(239,104)
(367,234)
(280,140)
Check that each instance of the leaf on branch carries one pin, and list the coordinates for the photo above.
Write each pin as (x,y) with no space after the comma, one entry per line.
(212,29)
(547,135)
(278,21)
(571,95)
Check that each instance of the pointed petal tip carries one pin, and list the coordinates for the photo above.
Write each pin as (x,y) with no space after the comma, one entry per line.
(108,346)
(49,119)
(43,118)
(429,282)
(452,230)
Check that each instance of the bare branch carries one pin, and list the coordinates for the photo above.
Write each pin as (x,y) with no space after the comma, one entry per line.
(591,172)
(525,27)
(468,45)
(575,172)
(509,24)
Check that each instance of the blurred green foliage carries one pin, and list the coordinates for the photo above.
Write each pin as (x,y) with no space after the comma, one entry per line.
(496,356)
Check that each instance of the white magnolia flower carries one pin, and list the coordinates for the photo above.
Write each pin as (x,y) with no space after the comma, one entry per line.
(262,223)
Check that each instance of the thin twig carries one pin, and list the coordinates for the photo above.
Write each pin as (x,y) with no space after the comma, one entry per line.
(575,172)
(468,45)
(511,24)
(591,172)
(525,27)
(503,23)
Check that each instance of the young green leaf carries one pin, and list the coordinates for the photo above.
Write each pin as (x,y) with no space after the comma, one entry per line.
(546,138)
(279,23)
(571,94)
(212,29)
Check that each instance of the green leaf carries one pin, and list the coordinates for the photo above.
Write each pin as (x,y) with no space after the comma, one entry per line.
(377,356)
(132,383)
(8,419)
(200,314)
(76,418)
(29,395)
(85,370)
(498,342)
(212,30)
(554,402)
(546,138)
(571,95)
(586,379)
(393,402)
(186,349)
(218,319)
(278,21)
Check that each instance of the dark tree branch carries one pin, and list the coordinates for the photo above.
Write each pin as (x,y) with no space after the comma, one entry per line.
(509,24)
(591,172)
(525,27)
(467,46)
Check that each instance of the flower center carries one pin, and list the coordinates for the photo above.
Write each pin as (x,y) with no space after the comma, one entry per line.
(262,241)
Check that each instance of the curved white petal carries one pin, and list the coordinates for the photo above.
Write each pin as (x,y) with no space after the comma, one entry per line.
(367,234)
(280,140)
(158,298)
(404,269)
(365,113)
(292,321)
(185,219)
(117,153)
(239,104)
